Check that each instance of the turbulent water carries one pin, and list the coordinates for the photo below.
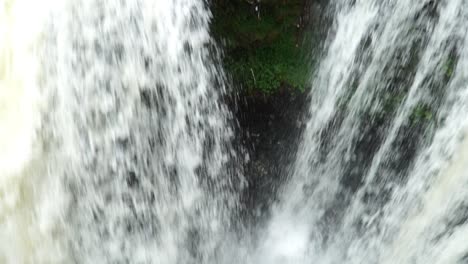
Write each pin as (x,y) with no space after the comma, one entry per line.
(381,176)
(115,146)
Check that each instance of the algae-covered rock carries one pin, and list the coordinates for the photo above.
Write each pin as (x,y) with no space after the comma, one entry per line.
(263,42)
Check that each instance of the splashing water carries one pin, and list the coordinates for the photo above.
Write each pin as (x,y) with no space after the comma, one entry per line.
(381,175)
(27,214)
(117,148)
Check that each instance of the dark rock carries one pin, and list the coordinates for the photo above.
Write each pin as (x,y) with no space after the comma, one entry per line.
(132,180)
(270,132)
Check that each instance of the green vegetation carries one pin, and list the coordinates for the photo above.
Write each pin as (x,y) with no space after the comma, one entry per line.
(262,53)
(392,102)
(421,112)
(426,111)
(449,66)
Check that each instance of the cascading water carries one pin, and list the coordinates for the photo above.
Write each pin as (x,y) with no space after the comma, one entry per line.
(117,148)
(27,209)
(381,175)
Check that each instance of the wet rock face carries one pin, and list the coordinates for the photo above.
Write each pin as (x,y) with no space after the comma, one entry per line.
(264,59)
(270,127)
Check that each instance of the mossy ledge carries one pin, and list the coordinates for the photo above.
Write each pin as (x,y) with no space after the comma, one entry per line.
(264,43)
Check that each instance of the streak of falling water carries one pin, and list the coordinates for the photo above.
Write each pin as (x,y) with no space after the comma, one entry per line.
(381,174)
(117,148)
(29,219)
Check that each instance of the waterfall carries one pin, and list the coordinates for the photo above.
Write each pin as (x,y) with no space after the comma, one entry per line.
(116,145)
(118,148)
(381,173)
(27,210)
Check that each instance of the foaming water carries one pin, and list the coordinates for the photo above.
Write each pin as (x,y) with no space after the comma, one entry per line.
(118,143)
(381,174)
(116,148)
(18,88)
(27,215)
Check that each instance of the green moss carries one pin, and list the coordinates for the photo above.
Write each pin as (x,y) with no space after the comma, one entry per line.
(392,103)
(449,67)
(262,54)
(422,112)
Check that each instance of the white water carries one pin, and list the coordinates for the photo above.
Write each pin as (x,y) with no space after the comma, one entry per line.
(358,195)
(27,209)
(114,146)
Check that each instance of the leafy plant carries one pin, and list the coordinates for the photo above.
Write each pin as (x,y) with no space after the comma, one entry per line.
(421,112)
(263,54)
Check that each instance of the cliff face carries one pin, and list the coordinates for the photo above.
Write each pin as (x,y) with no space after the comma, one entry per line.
(270,128)
(268,49)
(264,42)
